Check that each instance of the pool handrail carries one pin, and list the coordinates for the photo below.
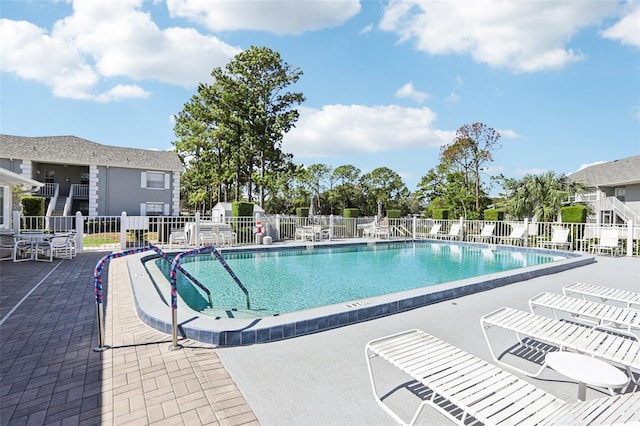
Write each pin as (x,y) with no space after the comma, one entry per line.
(193,279)
(175,266)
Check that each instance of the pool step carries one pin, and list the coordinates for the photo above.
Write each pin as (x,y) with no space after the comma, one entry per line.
(221,312)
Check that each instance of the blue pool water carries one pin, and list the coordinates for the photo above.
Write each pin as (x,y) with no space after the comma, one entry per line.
(289,280)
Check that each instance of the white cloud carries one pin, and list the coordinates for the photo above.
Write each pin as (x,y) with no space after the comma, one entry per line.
(524,36)
(453,98)
(366,29)
(337,130)
(508,133)
(626,30)
(102,40)
(277,16)
(122,91)
(408,91)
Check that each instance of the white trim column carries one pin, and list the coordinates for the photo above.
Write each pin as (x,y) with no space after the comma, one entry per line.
(175,192)
(93,190)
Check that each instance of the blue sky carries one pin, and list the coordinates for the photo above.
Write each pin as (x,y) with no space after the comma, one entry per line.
(387,82)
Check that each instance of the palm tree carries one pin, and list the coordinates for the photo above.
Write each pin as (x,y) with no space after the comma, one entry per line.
(540,195)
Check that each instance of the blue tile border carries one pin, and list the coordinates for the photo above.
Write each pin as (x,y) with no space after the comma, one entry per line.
(153,310)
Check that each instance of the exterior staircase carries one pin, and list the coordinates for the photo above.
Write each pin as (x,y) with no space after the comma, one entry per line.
(612,207)
(58,210)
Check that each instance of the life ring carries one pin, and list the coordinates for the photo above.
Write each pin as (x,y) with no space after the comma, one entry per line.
(258,228)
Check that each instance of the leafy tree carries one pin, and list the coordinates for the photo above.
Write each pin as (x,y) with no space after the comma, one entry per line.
(346,178)
(382,185)
(314,179)
(235,126)
(470,151)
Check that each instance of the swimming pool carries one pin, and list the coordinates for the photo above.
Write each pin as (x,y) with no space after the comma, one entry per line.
(232,327)
(282,281)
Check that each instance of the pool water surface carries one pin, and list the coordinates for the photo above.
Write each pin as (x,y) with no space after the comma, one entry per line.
(281,281)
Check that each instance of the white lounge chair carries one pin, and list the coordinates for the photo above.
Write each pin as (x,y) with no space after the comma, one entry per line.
(434,231)
(485,235)
(455,232)
(464,387)
(608,242)
(630,298)
(598,313)
(565,335)
(516,237)
(559,239)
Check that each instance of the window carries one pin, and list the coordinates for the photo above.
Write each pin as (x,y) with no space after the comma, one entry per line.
(84,178)
(153,180)
(154,209)
(620,193)
(49,176)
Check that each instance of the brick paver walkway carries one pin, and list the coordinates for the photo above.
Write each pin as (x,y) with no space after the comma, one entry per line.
(49,373)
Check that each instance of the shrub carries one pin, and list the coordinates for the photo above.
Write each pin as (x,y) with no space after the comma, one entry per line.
(394,214)
(241,209)
(440,214)
(574,214)
(302,211)
(32,206)
(493,214)
(350,213)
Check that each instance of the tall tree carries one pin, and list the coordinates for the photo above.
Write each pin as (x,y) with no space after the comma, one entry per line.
(385,186)
(242,118)
(470,151)
(346,178)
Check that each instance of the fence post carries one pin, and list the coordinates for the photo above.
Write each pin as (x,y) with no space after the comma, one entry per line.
(414,226)
(79,232)
(525,242)
(123,231)
(277,228)
(331,227)
(197,230)
(630,225)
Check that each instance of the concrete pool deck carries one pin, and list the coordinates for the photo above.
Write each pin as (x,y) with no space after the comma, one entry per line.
(51,375)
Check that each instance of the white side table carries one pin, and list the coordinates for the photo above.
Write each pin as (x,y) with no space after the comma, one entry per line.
(586,370)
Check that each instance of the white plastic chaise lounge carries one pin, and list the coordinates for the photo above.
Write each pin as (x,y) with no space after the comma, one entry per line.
(559,239)
(485,235)
(464,387)
(608,242)
(454,232)
(532,329)
(516,237)
(600,314)
(630,298)
(434,231)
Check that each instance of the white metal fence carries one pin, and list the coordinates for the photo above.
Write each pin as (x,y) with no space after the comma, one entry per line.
(121,232)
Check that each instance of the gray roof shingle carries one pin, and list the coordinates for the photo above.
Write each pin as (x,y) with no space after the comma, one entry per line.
(74,150)
(625,171)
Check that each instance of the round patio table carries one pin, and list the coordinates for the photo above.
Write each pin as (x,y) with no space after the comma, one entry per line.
(587,371)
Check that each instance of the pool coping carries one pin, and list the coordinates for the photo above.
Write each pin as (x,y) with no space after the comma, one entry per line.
(151,300)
